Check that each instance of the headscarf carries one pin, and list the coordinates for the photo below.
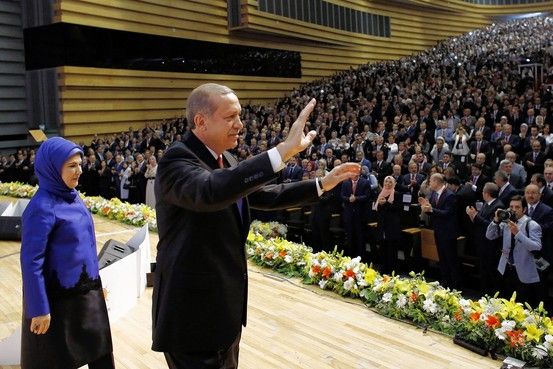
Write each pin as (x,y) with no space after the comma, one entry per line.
(49,160)
(387,193)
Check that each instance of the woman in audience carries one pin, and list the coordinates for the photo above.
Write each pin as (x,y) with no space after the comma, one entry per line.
(150,174)
(388,211)
(65,322)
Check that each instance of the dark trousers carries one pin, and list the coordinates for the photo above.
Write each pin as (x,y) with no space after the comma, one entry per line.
(221,359)
(389,255)
(105,362)
(449,263)
(526,292)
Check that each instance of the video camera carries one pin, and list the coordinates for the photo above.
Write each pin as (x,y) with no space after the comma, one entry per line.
(505,215)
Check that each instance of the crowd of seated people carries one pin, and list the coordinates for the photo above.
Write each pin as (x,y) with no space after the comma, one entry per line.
(462,108)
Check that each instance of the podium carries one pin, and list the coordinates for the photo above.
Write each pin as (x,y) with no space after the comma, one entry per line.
(10,219)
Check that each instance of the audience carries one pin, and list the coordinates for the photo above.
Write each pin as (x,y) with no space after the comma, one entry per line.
(463,108)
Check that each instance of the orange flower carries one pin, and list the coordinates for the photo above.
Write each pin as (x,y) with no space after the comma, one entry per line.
(492,321)
(414,297)
(269,255)
(316,269)
(282,253)
(475,316)
(326,272)
(516,337)
(349,273)
(458,315)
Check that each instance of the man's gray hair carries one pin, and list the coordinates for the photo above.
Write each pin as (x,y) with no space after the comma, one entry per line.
(199,100)
(502,175)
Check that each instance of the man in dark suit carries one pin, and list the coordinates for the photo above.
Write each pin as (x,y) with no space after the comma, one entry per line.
(356,194)
(543,215)
(488,251)
(381,167)
(199,301)
(507,167)
(411,182)
(533,161)
(292,173)
(442,210)
(546,193)
(479,145)
(506,190)
(477,180)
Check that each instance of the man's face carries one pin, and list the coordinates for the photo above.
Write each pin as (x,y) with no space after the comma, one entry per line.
(507,168)
(434,184)
(475,171)
(478,135)
(536,146)
(548,173)
(446,158)
(517,209)
(222,127)
(532,194)
(412,168)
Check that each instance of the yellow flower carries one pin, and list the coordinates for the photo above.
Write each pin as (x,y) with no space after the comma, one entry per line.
(402,285)
(370,275)
(512,309)
(548,325)
(533,333)
(423,288)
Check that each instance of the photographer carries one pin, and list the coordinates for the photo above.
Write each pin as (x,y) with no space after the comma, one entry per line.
(521,236)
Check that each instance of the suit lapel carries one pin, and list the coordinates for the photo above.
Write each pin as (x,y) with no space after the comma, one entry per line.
(200,150)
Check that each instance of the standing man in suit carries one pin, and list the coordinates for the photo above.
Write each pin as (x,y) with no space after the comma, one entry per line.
(477,180)
(479,145)
(546,194)
(442,210)
(533,161)
(356,194)
(203,197)
(411,182)
(488,254)
(506,190)
(381,167)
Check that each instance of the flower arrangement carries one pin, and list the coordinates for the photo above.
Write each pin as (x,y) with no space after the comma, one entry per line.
(496,325)
(115,209)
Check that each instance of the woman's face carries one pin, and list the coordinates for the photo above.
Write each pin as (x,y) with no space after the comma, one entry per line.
(71,171)
(388,183)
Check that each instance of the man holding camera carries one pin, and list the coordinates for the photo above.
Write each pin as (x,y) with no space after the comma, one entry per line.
(521,236)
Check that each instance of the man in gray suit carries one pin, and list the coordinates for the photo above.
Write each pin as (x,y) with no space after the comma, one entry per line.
(521,235)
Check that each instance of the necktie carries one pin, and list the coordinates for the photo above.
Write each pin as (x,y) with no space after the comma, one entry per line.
(535,156)
(478,147)
(531,211)
(353,187)
(511,250)
(474,179)
(220,162)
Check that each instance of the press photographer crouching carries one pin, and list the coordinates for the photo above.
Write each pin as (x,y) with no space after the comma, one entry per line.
(521,236)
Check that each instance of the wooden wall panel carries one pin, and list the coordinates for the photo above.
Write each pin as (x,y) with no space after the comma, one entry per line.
(105,101)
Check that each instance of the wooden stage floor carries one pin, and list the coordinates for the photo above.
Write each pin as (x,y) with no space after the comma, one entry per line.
(290,325)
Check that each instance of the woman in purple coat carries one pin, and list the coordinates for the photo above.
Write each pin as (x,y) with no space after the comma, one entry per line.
(65,322)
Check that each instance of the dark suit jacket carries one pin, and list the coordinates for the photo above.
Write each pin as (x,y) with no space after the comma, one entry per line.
(200,287)
(538,163)
(444,215)
(404,182)
(385,169)
(507,193)
(357,210)
(290,174)
(484,147)
(516,181)
(547,196)
(483,218)
(543,215)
